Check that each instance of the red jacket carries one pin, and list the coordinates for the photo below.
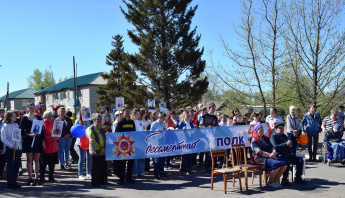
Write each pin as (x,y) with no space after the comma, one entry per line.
(48,139)
(170,123)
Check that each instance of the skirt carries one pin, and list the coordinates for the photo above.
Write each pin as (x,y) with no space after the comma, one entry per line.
(272,164)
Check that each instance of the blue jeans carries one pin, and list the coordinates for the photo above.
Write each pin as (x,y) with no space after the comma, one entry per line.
(82,154)
(186,165)
(338,149)
(292,138)
(139,167)
(159,166)
(64,146)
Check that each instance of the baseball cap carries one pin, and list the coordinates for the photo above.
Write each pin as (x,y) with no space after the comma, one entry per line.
(56,107)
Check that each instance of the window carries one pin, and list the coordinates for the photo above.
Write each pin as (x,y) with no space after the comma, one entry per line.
(25,102)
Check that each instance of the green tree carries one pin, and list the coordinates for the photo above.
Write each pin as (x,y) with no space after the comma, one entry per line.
(315,41)
(169,57)
(41,79)
(121,79)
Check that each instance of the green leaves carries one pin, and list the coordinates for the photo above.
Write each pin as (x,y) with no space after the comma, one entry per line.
(122,79)
(40,79)
(168,56)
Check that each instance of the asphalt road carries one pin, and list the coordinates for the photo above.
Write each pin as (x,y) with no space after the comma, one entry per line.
(323,181)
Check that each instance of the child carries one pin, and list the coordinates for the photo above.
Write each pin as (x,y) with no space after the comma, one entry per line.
(13,149)
(186,165)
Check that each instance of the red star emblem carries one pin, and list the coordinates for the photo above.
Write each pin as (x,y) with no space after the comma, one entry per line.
(124,146)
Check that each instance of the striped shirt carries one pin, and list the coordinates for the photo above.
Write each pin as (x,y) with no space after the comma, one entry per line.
(329,122)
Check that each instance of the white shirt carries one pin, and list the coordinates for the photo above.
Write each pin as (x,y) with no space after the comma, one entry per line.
(139,125)
(114,126)
(271,120)
(223,123)
(6,136)
(188,125)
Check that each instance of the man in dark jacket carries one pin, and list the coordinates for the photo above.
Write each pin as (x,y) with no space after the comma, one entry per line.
(334,137)
(282,145)
(125,125)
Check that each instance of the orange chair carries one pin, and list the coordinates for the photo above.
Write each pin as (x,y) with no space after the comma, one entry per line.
(240,161)
(226,172)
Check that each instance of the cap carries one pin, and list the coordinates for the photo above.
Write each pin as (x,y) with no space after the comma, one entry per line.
(279,124)
(118,113)
(338,127)
(257,127)
(56,107)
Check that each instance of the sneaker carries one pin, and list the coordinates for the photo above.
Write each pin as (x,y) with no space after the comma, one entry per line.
(146,172)
(343,162)
(88,176)
(135,175)
(273,185)
(165,168)
(51,179)
(334,161)
(43,180)
(279,185)
(39,182)
(81,177)
(20,172)
(286,182)
(62,167)
(68,166)
(31,182)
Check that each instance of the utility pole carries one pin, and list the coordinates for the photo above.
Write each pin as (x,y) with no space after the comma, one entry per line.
(8,88)
(75,90)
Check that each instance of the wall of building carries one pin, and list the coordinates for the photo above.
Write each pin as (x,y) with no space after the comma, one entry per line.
(20,104)
(87,97)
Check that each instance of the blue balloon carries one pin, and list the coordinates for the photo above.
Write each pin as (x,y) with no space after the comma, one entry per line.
(78,130)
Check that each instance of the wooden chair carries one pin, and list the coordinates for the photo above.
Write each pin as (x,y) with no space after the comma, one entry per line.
(226,172)
(237,162)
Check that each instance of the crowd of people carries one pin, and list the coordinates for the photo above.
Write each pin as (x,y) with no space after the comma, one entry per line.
(276,153)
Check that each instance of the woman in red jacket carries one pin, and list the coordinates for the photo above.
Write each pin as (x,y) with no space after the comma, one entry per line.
(50,153)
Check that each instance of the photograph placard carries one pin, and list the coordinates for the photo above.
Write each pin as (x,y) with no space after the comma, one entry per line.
(17,135)
(86,114)
(57,128)
(36,126)
(120,102)
(152,105)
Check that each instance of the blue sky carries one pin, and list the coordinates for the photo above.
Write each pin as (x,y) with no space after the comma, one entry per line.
(39,33)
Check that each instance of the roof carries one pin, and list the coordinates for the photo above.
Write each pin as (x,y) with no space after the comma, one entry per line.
(23,93)
(69,83)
